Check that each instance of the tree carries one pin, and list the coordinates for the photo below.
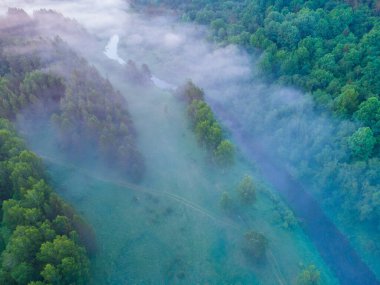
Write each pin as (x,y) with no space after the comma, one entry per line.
(255,245)
(9,104)
(369,114)
(247,190)
(25,170)
(214,136)
(226,202)
(23,245)
(23,273)
(51,275)
(14,214)
(36,197)
(218,24)
(339,19)
(288,35)
(319,78)
(309,276)
(347,102)
(62,225)
(44,86)
(64,261)
(191,92)
(207,130)
(361,143)
(224,153)
(200,111)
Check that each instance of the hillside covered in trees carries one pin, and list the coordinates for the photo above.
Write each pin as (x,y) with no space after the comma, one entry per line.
(45,78)
(42,238)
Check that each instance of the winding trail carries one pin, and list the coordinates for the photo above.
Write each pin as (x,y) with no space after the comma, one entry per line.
(124,184)
(138,188)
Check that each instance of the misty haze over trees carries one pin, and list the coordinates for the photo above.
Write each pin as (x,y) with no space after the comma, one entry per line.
(189,142)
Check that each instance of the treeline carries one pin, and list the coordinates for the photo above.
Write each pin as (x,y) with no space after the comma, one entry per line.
(50,81)
(207,130)
(42,240)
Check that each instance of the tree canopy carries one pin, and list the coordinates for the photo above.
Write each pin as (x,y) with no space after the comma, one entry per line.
(208,131)
(38,233)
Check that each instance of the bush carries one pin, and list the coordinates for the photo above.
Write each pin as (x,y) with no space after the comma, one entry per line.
(309,276)
(246,190)
(255,245)
(207,130)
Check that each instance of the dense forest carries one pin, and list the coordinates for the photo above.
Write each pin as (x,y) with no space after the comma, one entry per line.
(328,48)
(50,80)
(331,50)
(42,239)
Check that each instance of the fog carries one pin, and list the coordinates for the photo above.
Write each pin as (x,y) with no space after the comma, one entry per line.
(135,223)
(98,16)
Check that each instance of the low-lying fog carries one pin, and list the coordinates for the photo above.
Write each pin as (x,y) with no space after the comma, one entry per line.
(282,119)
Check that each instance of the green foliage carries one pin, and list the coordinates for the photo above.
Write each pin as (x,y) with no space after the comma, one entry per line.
(289,220)
(84,106)
(42,239)
(247,191)
(361,143)
(190,92)
(347,101)
(309,276)
(36,89)
(38,85)
(369,114)
(224,153)
(255,246)
(207,129)
(37,230)
(14,214)
(200,112)
(92,111)
(66,263)
(9,104)
(23,273)
(226,202)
